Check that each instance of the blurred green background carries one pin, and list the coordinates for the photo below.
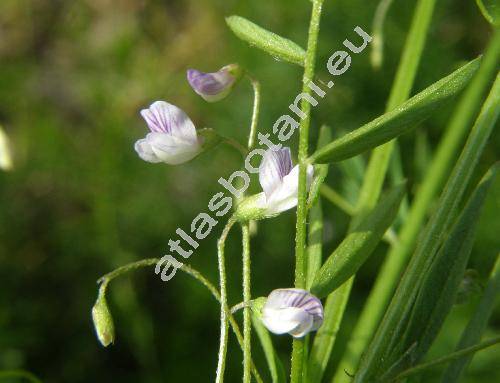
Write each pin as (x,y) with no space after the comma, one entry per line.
(79,202)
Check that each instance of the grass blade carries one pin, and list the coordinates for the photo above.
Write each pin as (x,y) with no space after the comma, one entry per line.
(358,245)
(375,360)
(475,328)
(277,46)
(440,285)
(398,121)
(386,281)
(462,353)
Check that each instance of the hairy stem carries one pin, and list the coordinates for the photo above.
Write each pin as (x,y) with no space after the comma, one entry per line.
(301,230)
(335,198)
(221,364)
(247,319)
(255,111)
(105,279)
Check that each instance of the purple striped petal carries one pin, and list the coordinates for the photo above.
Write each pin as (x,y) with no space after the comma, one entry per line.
(214,86)
(295,311)
(275,165)
(173,138)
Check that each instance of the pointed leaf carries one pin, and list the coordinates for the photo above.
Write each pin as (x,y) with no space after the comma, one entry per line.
(277,46)
(358,245)
(398,121)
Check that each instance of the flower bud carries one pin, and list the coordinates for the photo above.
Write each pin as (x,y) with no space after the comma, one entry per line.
(293,311)
(103,321)
(214,86)
(173,139)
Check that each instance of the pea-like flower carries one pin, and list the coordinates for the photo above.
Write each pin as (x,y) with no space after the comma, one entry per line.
(280,181)
(214,86)
(173,137)
(293,311)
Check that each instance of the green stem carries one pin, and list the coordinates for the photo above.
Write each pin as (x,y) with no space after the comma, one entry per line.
(19,374)
(247,319)
(397,258)
(465,352)
(377,52)
(221,363)
(235,144)
(255,111)
(105,279)
(245,229)
(335,198)
(126,268)
(236,328)
(301,230)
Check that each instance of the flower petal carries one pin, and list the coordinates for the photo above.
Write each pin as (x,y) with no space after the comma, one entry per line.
(144,150)
(295,311)
(172,150)
(281,321)
(213,86)
(285,196)
(275,165)
(163,117)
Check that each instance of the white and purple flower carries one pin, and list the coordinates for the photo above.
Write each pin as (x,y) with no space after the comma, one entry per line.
(293,311)
(214,86)
(173,137)
(280,181)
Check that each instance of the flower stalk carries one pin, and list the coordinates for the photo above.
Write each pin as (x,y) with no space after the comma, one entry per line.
(196,275)
(247,296)
(224,328)
(255,111)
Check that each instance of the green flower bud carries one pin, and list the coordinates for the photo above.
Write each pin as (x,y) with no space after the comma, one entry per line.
(103,321)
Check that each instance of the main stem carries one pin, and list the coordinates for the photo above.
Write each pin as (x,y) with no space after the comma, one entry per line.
(245,229)
(300,238)
(224,322)
(247,324)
